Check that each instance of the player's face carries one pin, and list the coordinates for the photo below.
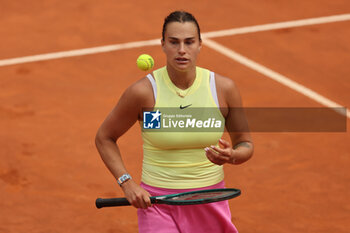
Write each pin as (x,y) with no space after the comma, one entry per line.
(181,45)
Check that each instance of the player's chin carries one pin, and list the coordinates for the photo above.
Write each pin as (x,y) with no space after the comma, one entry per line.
(183,67)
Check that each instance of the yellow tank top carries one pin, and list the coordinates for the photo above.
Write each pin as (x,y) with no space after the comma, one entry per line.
(174,156)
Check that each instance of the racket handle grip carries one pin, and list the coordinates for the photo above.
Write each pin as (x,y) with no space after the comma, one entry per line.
(108,202)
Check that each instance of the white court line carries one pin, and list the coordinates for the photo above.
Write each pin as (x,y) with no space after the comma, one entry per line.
(274,75)
(230,32)
(274,26)
(79,52)
(226,51)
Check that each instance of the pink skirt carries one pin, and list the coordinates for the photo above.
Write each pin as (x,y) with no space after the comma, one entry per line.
(210,218)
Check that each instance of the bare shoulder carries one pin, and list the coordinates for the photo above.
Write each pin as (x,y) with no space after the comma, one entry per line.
(140,87)
(224,83)
(227,90)
(141,91)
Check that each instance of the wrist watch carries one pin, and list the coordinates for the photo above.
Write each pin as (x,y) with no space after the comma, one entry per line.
(125,177)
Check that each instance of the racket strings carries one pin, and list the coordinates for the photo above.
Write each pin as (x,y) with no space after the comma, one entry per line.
(197,196)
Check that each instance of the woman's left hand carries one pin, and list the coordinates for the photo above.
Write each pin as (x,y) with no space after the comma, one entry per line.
(220,155)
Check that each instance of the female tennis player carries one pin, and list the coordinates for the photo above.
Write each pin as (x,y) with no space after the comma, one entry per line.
(176,162)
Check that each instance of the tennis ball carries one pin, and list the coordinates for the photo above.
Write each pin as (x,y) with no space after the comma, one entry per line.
(145,62)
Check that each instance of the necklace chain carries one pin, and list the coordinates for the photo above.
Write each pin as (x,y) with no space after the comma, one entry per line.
(182,95)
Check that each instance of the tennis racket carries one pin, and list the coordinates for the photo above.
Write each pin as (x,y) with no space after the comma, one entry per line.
(186,198)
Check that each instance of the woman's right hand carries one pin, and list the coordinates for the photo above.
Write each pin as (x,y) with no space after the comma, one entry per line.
(136,195)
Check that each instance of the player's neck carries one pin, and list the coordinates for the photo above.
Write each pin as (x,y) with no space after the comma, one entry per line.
(182,79)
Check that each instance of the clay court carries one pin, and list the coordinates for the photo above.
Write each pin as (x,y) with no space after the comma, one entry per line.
(64,65)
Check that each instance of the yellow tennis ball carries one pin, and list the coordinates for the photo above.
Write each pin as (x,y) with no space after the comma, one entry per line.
(145,62)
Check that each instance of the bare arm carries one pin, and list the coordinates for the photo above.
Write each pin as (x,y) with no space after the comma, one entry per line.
(121,118)
(236,125)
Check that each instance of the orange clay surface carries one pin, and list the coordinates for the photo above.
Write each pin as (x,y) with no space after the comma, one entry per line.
(50,171)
